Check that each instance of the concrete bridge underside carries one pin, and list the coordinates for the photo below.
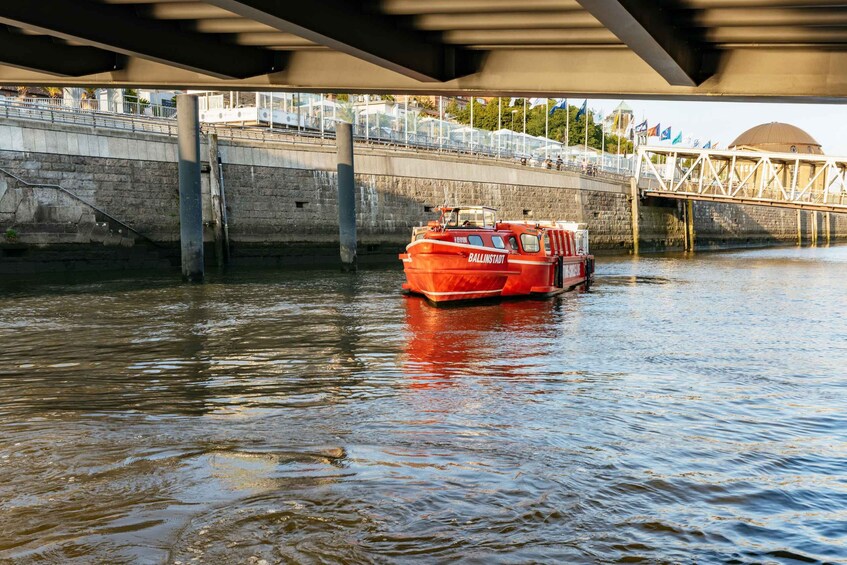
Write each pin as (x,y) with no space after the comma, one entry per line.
(733,49)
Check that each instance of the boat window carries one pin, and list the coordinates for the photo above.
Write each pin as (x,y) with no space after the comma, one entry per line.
(529,243)
(488,217)
(472,218)
(498,242)
(513,243)
(475,240)
(547,243)
(419,236)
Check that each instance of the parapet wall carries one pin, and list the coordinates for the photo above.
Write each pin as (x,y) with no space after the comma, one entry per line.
(281,196)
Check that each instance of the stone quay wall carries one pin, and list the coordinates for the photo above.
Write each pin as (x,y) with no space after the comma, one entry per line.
(281,199)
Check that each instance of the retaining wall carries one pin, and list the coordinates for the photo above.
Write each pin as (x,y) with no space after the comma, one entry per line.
(281,197)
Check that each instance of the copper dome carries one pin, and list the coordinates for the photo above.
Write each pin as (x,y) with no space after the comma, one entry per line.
(778,138)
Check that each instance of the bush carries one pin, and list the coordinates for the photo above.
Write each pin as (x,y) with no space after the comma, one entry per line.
(11,235)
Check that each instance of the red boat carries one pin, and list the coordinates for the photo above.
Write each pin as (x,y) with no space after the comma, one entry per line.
(467,254)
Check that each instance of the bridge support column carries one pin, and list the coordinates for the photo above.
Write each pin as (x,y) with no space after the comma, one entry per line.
(346,196)
(636,235)
(689,225)
(190,199)
(828,228)
(815,229)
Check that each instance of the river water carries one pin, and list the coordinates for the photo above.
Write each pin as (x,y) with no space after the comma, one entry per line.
(683,410)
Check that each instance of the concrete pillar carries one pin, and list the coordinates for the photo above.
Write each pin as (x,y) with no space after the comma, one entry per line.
(634,198)
(689,217)
(800,228)
(346,196)
(190,198)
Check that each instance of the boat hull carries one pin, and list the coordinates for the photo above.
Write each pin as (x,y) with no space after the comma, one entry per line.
(449,272)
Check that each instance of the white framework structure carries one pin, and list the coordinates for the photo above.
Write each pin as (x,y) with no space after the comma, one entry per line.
(785,180)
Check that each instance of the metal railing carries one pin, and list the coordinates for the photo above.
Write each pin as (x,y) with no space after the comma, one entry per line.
(65,191)
(57,111)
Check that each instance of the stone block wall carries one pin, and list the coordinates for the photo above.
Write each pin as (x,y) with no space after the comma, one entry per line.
(281,196)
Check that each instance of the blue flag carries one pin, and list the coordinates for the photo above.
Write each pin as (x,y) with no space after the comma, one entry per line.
(582,110)
(708,145)
(560,105)
(642,127)
(695,143)
(678,138)
(666,134)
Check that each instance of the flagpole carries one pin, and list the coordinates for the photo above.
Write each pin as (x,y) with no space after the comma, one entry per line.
(587,113)
(473,102)
(499,122)
(567,126)
(440,121)
(619,138)
(524,127)
(546,128)
(406,120)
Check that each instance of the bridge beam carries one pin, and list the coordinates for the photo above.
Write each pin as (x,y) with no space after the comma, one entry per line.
(47,55)
(345,27)
(119,29)
(652,34)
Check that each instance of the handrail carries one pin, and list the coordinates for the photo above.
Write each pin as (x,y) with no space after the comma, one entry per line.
(64,190)
(167,126)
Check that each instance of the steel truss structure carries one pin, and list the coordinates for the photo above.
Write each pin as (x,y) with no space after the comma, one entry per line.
(785,180)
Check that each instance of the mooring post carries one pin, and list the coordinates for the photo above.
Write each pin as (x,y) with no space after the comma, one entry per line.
(633,185)
(346,196)
(215,189)
(689,216)
(190,198)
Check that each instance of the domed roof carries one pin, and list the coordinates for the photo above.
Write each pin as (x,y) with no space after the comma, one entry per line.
(778,138)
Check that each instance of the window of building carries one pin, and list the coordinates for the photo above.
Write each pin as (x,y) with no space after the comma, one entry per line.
(475,240)
(498,242)
(530,243)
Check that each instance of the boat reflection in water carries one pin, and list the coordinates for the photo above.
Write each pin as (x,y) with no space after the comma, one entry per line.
(492,340)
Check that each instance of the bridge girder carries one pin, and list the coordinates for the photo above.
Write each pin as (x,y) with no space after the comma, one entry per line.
(786,180)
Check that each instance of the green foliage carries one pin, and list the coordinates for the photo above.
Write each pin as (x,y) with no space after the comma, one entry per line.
(563,126)
(342,98)
(11,235)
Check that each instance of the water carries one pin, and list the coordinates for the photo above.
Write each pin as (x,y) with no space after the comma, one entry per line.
(683,410)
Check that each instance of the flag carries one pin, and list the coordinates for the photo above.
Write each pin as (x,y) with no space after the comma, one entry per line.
(582,110)
(560,105)
(666,134)
(512,101)
(642,127)
(533,102)
(695,143)
(677,139)
(654,131)
(708,145)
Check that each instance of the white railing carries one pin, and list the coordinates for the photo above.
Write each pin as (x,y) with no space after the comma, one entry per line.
(791,180)
(144,120)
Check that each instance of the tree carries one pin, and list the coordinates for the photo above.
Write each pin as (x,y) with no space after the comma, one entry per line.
(53,92)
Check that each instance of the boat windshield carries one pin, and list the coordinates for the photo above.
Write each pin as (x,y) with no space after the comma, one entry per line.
(470,218)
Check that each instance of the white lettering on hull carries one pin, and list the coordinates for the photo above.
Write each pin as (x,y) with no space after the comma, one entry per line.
(570,271)
(486,258)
